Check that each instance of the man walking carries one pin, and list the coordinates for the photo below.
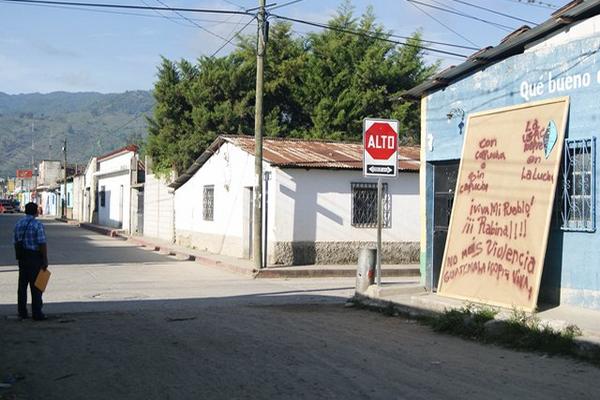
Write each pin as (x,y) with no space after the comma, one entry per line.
(32,253)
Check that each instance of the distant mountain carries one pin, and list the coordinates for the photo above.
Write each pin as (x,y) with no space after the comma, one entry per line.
(93,123)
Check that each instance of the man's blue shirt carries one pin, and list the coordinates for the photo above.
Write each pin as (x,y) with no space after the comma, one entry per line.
(31,232)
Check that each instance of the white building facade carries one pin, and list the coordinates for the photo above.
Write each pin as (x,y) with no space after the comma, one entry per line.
(115,176)
(159,206)
(319,207)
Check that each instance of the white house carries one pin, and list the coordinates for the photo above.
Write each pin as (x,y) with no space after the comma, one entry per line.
(116,176)
(159,206)
(50,171)
(319,207)
(90,205)
(78,196)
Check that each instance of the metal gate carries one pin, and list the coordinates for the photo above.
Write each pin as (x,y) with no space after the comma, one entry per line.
(444,184)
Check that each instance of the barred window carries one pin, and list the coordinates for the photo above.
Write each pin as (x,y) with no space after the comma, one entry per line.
(364,206)
(578,185)
(102,196)
(208,203)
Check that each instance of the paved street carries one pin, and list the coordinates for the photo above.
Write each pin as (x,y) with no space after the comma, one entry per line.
(132,324)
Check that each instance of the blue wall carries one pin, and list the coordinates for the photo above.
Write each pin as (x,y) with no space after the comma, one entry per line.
(572,261)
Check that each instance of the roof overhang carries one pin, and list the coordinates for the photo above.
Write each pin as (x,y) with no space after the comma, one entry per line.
(515,43)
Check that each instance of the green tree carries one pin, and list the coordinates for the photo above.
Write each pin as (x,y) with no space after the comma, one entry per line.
(319,87)
(170,128)
(354,76)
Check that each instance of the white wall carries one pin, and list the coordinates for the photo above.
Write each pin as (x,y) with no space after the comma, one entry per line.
(78,195)
(90,186)
(49,172)
(316,205)
(115,212)
(231,171)
(158,209)
(114,173)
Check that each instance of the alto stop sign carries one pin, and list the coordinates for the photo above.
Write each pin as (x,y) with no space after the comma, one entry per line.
(380,139)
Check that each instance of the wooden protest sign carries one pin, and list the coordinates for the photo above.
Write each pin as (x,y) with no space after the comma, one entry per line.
(503,204)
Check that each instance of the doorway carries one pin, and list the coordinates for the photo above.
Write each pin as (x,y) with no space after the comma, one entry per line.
(445,175)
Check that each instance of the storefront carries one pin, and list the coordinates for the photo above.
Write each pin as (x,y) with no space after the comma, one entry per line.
(557,59)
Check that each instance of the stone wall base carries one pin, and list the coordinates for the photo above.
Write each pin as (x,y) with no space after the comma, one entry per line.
(308,253)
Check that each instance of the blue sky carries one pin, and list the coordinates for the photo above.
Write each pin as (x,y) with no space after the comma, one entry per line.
(45,49)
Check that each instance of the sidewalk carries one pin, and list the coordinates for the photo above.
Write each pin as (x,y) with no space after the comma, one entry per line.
(413,300)
(246,267)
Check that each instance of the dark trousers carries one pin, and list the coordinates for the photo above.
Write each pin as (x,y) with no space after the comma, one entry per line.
(29,267)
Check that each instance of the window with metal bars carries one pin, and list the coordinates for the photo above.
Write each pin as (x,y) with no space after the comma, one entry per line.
(578,185)
(364,205)
(102,196)
(208,203)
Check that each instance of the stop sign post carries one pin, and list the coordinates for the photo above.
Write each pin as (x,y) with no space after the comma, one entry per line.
(380,141)
(380,159)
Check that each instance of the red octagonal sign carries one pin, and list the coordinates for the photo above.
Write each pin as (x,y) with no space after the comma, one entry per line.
(381,141)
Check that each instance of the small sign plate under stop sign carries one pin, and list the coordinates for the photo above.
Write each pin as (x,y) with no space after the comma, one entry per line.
(380,142)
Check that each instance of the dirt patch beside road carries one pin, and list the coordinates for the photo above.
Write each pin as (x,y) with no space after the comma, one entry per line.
(295,351)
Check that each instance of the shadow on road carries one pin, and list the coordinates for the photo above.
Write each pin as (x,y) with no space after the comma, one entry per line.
(284,345)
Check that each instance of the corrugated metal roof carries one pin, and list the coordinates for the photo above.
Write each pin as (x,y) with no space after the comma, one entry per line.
(515,43)
(299,153)
(125,149)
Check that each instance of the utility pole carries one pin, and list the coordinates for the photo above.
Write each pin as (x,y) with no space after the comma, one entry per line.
(258,136)
(64,200)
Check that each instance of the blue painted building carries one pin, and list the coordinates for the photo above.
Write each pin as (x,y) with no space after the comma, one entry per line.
(560,57)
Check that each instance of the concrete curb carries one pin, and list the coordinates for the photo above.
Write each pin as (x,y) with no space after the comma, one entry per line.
(190,256)
(275,272)
(266,273)
(587,345)
(103,230)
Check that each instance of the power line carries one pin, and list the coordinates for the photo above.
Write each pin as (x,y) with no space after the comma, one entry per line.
(131,7)
(289,3)
(443,24)
(175,20)
(193,22)
(447,10)
(458,46)
(366,35)
(494,12)
(231,38)
(535,3)
(125,13)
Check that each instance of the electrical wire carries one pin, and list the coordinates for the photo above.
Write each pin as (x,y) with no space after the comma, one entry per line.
(535,3)
(461,14)
(458,46)
(289,3)
(366,35)
(231,38)
(494,12)
(443,24)
(193,22)
(131,7)
(125,13)
(174,20)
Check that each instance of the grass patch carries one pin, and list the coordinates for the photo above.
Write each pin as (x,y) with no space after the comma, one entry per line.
(468,321)
(520,331)
(524,331)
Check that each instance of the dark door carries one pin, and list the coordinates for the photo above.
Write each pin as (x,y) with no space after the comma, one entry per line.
(444,185)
